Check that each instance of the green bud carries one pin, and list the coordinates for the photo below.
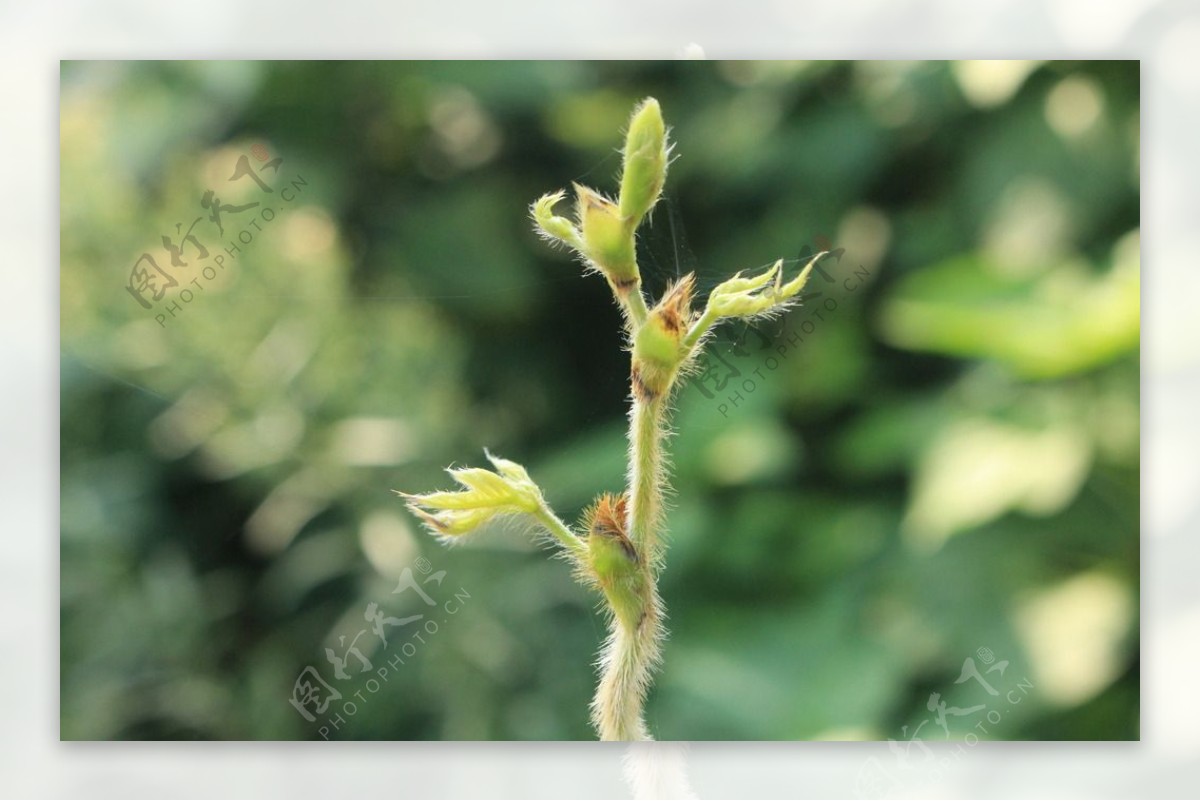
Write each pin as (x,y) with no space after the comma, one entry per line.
(658,345)
(645,167)
(614,561)
(607,238)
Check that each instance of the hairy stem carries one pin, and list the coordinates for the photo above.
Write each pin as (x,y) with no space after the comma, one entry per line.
(631,652)
(700,328)
(635,305)
(561,532)
(629,657)
(647,477)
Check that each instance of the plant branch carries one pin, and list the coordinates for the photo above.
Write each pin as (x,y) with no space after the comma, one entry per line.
(634,304)
(620,548)
(561,532)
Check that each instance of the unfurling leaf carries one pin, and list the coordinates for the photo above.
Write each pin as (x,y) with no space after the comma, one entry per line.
(484,496)
(550,225)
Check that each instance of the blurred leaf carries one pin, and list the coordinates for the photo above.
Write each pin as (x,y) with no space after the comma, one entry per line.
(1063,322)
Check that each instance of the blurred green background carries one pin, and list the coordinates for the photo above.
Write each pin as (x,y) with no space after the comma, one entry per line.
(944,468)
